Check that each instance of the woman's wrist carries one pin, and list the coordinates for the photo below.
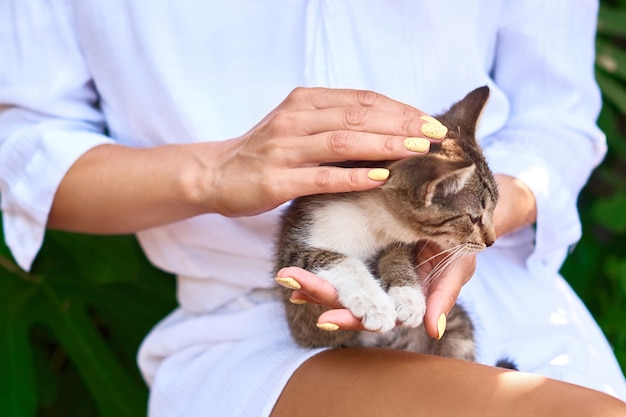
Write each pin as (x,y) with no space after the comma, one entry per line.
(516,207)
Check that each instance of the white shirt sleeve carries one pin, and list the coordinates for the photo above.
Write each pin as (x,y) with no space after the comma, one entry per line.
(544,64)
(49,116)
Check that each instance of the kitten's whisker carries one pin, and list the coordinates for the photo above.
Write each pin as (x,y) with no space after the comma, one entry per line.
(450,260)
(458,255)
(449,254)
(420,252)
(436,274)
(444,264)
(438,269)
(437,254)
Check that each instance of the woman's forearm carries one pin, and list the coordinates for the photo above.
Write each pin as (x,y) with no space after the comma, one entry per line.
(114,189)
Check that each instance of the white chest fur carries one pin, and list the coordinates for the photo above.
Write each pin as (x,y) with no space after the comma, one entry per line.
(353,229)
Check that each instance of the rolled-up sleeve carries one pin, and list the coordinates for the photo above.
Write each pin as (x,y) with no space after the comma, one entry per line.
(49,116)
(545,66)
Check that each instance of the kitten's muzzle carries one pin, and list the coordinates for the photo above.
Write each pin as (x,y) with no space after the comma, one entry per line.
(489,236)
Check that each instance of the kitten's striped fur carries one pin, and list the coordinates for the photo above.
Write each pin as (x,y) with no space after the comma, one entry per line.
(365,243)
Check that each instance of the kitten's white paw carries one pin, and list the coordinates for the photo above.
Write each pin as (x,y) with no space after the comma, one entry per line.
(376,310)
(410,305)
(360,292)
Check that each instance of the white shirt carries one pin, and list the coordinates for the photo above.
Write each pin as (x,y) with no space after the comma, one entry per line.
(158,72)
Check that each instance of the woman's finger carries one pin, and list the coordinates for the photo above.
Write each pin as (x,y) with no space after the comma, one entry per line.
(364,119)
(344,145)
(309,111)
(339,319)
(309,288)
(316,289)
(327,179)
(317,98)
(444,292)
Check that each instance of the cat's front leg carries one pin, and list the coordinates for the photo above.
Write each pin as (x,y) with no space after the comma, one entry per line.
(410,305)
(396,269)
(360,292)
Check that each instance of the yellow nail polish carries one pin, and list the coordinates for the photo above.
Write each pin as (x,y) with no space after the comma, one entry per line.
(417,144)
(288,283)
(430,119)
(329,327)
(441,326)
(297,301)
(378,174)
(433,128)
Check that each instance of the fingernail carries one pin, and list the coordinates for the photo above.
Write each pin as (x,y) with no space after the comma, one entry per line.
(417,144)
(441,326)
(430,119)
(329,327)
(433,128)
(378,174)
(297,301)
(288,283)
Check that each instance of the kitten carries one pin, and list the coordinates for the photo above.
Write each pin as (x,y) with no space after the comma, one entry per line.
(365,243)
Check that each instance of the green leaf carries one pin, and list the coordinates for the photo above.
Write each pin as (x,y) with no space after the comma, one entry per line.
(611,212)
(117,260)
(615,269)
(611,20)
(62,310)
(612,90)
(115,392)
(610,123)
(17,394)
(582,264)
(98,296)
(611,58)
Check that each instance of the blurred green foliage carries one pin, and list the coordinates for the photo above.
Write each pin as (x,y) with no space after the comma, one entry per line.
(597,267)
(69,331)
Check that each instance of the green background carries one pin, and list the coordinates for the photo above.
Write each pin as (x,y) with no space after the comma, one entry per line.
(69,331)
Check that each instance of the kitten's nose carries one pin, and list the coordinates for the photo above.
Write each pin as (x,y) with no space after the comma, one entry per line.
(489,237)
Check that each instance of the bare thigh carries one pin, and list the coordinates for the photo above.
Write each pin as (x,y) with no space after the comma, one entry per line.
(377,382)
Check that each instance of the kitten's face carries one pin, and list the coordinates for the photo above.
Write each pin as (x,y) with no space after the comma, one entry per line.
(448,196)
(452,210)
(465,217)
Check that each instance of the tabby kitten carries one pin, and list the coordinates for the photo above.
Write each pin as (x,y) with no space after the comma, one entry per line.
(365,243)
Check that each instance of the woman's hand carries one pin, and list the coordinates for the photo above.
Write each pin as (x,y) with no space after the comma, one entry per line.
(279,159)
(516,208)
(442,292)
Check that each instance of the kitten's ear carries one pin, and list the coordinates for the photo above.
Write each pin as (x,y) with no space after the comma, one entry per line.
(450,177)
(463,116)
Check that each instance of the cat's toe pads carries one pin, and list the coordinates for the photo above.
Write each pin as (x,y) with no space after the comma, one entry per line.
(410,305)
(378,315)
